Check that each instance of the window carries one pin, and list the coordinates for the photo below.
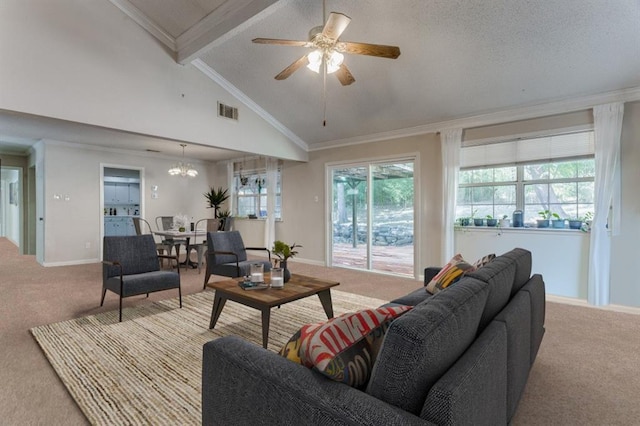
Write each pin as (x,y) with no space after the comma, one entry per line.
(250,191)
(563,185)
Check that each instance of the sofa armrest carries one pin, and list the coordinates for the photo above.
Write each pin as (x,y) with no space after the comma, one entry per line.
(474,390)
(430,272)
(243,384)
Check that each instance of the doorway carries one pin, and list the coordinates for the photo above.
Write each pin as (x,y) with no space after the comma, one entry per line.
(11,204)
(372,216)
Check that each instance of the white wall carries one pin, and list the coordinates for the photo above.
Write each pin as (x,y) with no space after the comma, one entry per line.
(561,256)
(87,62)
(74,172)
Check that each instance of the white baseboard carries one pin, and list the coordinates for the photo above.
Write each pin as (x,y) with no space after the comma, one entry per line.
(71,262)
(582,302)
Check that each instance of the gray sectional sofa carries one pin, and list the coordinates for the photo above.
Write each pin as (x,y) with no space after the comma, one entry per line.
(461,356)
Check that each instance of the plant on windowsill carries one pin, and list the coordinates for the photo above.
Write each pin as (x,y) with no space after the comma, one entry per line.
(477,221)
(284,251)
(491,221)
(215,198)
(586,222)
(543,222)
(557,222)
(504,222)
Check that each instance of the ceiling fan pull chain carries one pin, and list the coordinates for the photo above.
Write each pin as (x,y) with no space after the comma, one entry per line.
(324,94)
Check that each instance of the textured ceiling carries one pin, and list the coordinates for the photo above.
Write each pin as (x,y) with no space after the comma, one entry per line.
(459,58)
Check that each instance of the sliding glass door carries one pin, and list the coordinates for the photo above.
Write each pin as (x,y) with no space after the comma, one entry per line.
(372,216)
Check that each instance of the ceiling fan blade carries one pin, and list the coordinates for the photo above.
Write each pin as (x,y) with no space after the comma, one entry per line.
(380,50)
(293,68)
(344,75)
(281,42)
(336,24)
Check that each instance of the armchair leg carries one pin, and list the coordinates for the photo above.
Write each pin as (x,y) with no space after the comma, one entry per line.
(120,318)
(180,295)
(207,275)
(104,292)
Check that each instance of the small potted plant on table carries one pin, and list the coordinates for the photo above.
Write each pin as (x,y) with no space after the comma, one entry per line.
(284,251)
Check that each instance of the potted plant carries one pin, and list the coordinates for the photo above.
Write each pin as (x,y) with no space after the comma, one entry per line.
(227,220)
(505,222)
(586,219)
(491,221)
(557,222)
(464,221)
(575,223)
(545,216)
(284,251)
(476,220)
(215,198)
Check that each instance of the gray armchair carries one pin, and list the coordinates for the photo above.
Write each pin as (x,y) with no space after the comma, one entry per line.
(131,266)
(227,256)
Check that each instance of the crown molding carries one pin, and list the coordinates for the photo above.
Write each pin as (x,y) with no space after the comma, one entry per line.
(141,19)
(235,92)
(494,117)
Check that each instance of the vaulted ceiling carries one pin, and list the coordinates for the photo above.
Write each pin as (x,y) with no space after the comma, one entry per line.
(459,58)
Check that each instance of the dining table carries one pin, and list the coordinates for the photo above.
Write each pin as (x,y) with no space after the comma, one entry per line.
(187,236)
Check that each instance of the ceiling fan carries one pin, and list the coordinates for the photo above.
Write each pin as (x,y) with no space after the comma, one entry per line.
(327,53)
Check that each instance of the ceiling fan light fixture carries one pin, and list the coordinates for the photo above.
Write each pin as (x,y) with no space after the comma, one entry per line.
(315,60)
(334,61)
(183,169)
(333,58)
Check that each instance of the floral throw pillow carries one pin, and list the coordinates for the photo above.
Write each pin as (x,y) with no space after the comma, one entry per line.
(343,348)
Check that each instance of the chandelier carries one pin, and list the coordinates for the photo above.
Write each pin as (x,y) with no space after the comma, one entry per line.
(183,169)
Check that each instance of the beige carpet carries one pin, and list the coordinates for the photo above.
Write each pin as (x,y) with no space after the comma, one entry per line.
(147,369)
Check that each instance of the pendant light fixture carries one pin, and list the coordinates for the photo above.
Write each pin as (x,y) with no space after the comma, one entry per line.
(183,169)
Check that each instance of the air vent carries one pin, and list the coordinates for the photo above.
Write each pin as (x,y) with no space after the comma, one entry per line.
(227,111)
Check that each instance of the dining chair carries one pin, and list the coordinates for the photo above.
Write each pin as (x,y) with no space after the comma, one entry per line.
(227,256)
(165,223)
(143,227)
(202,228)
(131,266)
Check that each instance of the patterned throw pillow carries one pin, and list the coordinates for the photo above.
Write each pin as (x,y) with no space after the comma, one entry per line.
(343,348)
(449,274)
(483,260)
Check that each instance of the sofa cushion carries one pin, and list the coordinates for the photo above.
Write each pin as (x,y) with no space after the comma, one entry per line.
(412,299)
(522,260)
(421,345)
(449,274)
(343,348)
(499,274)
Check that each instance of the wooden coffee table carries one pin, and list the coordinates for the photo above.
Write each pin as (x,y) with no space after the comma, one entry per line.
(298,287)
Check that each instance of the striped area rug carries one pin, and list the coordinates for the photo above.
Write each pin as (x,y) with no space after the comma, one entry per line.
(147,369)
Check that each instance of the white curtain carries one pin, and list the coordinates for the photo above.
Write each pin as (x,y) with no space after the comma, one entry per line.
(451,142)
(607,129)
(270,225)
(231,186)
